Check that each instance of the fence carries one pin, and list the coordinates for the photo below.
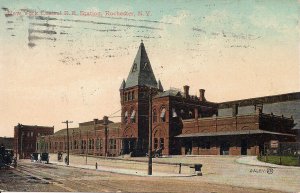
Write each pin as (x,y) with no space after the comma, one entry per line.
(283,153)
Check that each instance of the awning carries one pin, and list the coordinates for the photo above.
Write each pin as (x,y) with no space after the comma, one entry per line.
(223,133)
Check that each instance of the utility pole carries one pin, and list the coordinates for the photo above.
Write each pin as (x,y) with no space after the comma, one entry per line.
(105,123)
(68,150)
(86,146)
(150,134)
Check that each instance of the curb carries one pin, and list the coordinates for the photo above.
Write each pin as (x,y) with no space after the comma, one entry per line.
(122,173)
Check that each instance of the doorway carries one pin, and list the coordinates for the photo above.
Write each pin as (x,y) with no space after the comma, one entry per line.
(224,148)
(244,147)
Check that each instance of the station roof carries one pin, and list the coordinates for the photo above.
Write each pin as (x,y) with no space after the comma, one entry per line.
(224,133)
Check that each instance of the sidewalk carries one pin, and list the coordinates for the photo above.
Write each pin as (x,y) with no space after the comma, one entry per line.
(253,161)
(122,170)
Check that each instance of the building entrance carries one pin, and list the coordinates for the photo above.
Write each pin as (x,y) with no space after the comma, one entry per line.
(244,147)
(224,148)
(128,145)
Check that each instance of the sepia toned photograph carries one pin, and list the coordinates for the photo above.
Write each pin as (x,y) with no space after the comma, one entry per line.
(150,96)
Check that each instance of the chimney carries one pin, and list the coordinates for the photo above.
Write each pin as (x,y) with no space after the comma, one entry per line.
(186,91)
(202,95)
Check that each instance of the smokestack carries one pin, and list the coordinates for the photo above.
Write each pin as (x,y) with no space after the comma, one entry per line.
(202,95)
(186,91)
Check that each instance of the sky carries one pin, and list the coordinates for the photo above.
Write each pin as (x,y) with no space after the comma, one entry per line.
(65,60)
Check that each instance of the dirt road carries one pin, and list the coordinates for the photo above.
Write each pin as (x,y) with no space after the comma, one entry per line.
(41,177)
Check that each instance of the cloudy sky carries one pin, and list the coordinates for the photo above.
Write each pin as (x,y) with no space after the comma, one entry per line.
(66,59)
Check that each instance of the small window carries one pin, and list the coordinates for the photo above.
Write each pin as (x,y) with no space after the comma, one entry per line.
(133,95)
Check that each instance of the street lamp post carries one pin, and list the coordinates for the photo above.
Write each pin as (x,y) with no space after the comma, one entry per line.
(105,123)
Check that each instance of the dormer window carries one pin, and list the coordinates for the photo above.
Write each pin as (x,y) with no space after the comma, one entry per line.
(134,68)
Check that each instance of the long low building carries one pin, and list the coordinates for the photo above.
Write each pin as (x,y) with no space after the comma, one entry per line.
(180,123)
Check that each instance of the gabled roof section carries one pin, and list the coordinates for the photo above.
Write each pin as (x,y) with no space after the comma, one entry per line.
(141,72)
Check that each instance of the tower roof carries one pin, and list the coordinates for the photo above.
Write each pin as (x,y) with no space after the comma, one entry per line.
(141,72)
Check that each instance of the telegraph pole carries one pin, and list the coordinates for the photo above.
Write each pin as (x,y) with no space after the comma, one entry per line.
(105,123)
(68,155)
(150,135)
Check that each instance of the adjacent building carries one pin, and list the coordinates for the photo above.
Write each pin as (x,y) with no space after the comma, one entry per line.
(25,137)
(7,142)
(181,123)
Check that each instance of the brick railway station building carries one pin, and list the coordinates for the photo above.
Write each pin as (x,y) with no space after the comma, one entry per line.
(181,123)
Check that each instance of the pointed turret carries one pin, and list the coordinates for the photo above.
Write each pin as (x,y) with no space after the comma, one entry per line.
(141,72)
(122,85)
(159,86)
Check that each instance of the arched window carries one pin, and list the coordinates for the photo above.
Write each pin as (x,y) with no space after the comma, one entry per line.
(163,114)
(154,116)
(129,96)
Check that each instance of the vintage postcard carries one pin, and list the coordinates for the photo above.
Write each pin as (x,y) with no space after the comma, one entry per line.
(149,96)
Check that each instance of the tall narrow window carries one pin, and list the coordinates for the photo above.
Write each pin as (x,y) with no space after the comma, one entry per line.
(132,117)
(163,115)
(154,116)
(162,143)
(125,117)
(133,95)
(174,114)
(155,143)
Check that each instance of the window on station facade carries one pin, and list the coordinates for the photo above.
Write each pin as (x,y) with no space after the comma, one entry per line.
(163,114)
(154,116)
(174,114)
(129,96)
(162,143)
(112,144)
(93,143)
(132,117)
(126,96)
(97,143)
(190,114)
(125,116)
(75,144)
(155,143)
(133,95)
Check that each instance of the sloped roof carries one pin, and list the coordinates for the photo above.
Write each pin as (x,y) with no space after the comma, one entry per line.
(222,133)
(141,72)
(84,128)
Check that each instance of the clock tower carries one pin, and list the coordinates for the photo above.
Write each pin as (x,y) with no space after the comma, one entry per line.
(135,104)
